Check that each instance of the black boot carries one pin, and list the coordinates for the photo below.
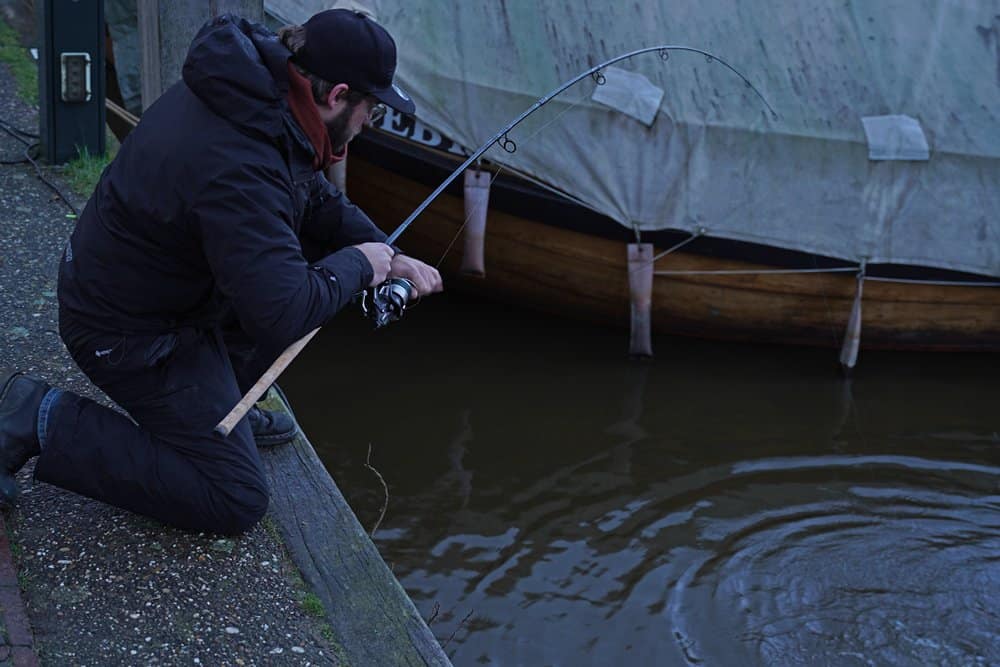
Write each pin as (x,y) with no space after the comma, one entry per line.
(20,399)
(271,428)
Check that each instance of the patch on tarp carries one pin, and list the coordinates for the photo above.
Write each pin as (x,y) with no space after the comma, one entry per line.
(631,93)
(895,138)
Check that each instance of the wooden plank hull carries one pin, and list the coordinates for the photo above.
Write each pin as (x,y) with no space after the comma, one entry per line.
(581,275)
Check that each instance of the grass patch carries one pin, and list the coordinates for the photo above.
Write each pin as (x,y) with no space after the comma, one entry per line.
(308,601)
(22,66)
(85,170)
(267,523)
(312,605)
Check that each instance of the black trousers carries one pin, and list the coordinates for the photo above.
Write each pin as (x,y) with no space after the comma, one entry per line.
(165,462)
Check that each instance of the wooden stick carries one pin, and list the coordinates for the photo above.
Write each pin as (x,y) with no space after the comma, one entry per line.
(226,426)
(122,113)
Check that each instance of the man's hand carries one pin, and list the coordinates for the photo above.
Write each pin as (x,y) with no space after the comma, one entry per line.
(379,255)
(425,278)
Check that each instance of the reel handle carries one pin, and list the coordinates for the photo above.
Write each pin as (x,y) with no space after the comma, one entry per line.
(387,302)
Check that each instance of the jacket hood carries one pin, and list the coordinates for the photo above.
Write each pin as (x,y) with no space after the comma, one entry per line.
(238,69)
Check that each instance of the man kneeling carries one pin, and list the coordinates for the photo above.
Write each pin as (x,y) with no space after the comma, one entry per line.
(211,243)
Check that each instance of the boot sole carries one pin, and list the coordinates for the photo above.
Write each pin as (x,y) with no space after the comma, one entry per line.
(275,439)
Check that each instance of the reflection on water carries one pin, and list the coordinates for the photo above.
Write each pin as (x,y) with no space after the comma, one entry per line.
(722,505)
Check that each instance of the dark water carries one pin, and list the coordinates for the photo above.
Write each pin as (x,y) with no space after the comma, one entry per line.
(722,505)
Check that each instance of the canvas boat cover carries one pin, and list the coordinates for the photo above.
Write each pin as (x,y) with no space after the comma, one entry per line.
(886,147)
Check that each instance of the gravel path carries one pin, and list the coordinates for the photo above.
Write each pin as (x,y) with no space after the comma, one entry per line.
(103,586)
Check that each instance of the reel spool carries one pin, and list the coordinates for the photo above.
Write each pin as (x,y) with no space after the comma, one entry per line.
(387,302)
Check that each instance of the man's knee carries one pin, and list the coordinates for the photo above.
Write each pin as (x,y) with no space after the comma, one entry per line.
(241,509)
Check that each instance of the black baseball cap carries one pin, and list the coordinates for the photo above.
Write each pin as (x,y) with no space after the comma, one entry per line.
(345,46)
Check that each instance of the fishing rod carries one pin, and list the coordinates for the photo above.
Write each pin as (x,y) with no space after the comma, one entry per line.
(387,302)
(595,72)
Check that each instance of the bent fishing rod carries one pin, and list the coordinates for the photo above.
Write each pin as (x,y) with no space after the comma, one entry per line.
(387,302)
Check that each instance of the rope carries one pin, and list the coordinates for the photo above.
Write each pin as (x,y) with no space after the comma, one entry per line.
(666,252)
(678,246)
(937,283)
(841,269)
(743,272)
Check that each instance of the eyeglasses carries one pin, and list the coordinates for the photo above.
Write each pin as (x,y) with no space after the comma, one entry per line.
(377,113)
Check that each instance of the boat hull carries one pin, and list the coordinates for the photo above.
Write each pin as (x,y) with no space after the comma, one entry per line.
(545,264)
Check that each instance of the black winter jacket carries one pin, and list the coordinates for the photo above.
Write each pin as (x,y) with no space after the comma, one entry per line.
(210,204)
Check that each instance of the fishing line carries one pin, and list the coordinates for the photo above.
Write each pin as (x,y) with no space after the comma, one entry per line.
(597,75)
(501,168)
(387,302)
(464,223)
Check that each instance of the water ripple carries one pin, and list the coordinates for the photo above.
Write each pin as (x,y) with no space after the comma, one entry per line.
(901,569)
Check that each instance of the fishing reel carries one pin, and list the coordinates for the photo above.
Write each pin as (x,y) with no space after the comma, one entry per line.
(387,302)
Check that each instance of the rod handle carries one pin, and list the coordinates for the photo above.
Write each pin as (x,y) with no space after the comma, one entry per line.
(226,426)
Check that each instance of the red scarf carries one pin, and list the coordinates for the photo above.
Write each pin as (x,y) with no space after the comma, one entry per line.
(300,101)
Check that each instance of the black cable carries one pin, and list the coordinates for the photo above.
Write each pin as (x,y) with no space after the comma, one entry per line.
(21,135)
(14,132)
(24,133)
(52,186)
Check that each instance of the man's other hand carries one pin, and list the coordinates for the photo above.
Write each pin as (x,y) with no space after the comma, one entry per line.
(379,255)
(425,278)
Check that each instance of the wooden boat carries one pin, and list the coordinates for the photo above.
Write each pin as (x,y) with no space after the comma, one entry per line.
(879,162)
(834,189)
(549,253)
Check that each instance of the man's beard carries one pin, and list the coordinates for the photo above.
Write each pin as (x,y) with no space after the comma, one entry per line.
(338,130)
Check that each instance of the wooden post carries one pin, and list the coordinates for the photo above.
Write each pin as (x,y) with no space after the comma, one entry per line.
(640,283)
(477,201)
(166,29)
(148,12)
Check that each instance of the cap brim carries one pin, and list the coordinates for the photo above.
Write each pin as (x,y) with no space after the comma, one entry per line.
(395,98)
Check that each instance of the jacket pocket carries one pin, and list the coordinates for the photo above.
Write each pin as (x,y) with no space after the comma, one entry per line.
(159,349)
